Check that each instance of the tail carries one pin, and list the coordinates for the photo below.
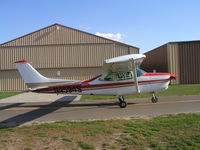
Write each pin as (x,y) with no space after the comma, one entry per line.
(33,78)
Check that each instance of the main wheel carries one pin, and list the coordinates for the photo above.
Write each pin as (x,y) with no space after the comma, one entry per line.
(154,99)
(122,104)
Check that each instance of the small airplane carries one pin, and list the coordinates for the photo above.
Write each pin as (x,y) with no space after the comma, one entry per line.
(121,76)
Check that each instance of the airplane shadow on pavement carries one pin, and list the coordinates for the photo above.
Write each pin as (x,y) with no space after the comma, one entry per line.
(34,114)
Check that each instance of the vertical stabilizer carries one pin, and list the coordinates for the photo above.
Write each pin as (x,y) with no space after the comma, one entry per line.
(28,73)
(33,78)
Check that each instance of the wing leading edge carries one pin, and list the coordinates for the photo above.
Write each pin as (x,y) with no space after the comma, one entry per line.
(136,57)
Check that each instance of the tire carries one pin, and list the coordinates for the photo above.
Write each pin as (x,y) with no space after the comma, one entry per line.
(123,104)
(154,99)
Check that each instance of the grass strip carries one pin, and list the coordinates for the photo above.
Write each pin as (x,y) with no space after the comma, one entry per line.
(8,94)
(160,133)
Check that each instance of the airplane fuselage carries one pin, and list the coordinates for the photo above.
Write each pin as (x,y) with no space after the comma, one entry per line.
(147,83)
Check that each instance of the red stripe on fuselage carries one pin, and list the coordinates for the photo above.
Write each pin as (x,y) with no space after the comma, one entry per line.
(156,74)
(87,81)
(92,87)
(103,86)
(85,84)
(121,83)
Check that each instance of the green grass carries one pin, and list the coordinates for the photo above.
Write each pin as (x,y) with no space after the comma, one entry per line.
(86,146)
(8,94)
(172,132)
(173,90)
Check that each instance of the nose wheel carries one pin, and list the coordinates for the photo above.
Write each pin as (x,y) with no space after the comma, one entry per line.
(122,102)
(154,99)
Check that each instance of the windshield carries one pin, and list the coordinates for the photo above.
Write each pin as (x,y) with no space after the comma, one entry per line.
(140,72)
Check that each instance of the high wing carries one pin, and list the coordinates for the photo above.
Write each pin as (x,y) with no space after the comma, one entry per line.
(124,63)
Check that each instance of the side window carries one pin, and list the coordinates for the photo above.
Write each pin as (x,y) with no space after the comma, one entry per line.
(129,75)
(119,76)
(111,77)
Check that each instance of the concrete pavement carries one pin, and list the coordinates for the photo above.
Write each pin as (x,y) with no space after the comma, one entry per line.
(38,97)
(16,114)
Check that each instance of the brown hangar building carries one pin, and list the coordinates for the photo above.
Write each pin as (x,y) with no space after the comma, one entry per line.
(58,49)
(179,58)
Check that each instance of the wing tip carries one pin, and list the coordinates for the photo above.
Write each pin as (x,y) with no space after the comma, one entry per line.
(21,61)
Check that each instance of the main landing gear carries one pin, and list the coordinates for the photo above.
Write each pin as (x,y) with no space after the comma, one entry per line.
(122,102)
(154,99)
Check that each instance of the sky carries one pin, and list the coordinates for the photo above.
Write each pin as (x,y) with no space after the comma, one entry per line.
(146,24)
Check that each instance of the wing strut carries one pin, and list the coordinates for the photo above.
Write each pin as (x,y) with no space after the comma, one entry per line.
(135,76)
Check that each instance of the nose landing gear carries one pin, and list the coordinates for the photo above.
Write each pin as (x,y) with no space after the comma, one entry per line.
(154,99)
(122,102)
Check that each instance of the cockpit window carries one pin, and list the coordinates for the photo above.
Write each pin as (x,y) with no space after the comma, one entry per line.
(123,75)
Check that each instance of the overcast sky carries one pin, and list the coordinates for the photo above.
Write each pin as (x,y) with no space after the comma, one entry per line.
(146,24)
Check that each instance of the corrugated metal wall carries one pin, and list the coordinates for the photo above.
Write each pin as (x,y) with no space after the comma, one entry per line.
(189,53)
(173,61)
(179,58)
(156,59)
(78,55)
(81,55)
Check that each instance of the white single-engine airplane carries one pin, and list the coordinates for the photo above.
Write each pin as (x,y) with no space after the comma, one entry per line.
(121,76)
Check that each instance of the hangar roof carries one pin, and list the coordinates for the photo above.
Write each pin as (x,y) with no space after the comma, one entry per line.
(59,34)
(184,41)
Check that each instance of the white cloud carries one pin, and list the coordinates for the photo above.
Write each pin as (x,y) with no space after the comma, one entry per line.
(112,36)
